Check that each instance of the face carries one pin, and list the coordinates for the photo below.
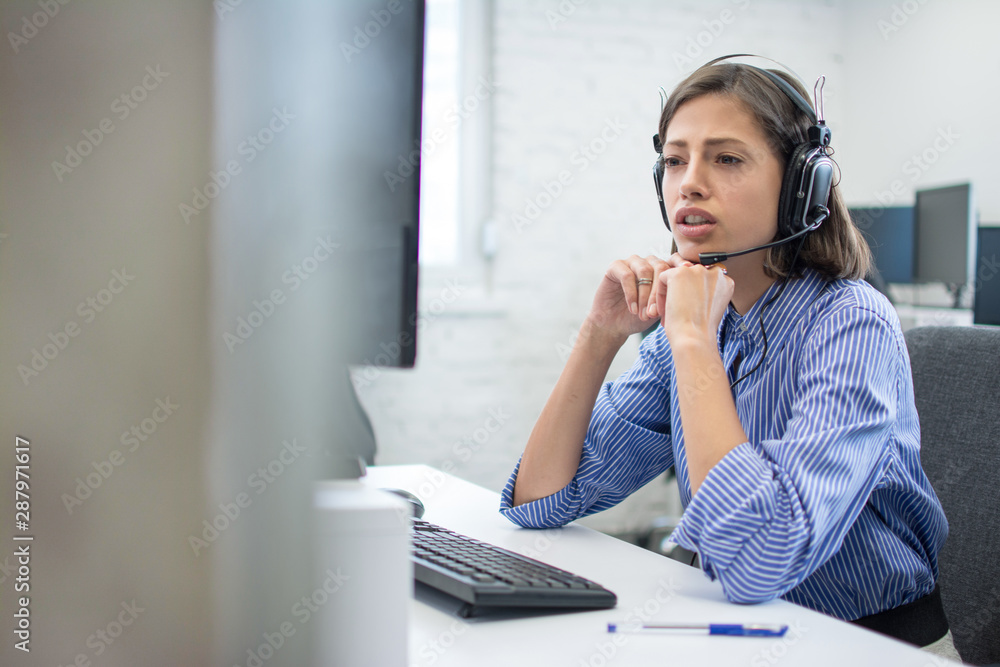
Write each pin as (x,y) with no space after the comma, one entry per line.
(721,180)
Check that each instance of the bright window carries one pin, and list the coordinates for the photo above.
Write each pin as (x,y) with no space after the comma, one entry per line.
(439,174)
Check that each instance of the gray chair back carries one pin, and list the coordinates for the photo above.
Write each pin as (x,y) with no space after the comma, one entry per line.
(956,382)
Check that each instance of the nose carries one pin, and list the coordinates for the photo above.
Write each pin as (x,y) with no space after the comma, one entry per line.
(694,183)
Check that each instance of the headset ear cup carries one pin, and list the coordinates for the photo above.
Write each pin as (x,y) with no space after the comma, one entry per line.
(658,184)
(791,207)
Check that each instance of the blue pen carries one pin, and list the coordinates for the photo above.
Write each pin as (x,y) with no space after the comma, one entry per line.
(731,629)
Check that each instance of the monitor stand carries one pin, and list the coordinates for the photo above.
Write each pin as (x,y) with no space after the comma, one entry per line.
(957,291)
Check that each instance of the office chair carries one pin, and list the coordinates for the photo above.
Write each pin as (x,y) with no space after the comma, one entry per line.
(956,382)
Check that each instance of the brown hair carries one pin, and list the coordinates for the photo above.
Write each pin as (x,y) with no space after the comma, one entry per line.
(836,249)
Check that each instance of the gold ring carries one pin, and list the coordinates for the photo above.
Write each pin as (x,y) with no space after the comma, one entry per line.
(721,266)
(644,281)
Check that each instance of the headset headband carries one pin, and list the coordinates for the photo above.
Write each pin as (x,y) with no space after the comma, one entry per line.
(788,89)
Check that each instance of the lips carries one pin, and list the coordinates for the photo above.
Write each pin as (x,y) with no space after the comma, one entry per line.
(693,222)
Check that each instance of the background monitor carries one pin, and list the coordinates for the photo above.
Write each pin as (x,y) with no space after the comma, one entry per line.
(945,223)
(987,299)
(890,235)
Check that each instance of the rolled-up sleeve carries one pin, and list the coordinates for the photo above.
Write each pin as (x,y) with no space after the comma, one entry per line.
(627,444)
(770,513)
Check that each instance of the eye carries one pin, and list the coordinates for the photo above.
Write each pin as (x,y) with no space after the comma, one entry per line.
(671,161)
(729,159)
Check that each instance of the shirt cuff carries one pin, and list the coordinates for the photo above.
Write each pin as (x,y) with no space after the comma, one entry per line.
(549,512)
(729,509)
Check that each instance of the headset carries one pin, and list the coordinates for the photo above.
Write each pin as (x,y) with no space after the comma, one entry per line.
(807,182)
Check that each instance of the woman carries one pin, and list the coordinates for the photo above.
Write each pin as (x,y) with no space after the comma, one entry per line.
(778,385)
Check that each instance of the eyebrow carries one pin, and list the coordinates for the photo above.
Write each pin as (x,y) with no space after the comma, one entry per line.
(712,141)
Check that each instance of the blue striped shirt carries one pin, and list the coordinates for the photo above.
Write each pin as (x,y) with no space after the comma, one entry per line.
(826,505)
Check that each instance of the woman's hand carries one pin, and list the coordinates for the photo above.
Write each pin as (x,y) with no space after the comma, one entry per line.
(692,300)
(621,307)
(626,300)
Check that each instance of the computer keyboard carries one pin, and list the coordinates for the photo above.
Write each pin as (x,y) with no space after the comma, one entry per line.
(487,577)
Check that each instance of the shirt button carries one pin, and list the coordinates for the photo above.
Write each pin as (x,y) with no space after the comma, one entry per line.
(743,327)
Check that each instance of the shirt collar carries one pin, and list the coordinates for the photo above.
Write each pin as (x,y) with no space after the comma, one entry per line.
(778,317)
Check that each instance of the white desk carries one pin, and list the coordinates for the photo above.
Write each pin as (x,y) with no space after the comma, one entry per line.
(668,590)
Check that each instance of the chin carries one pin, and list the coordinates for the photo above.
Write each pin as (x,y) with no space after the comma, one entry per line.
(691,253)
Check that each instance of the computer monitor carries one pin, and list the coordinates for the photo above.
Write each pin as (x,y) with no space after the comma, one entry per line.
(372,96)
(890,235)
(375,176)
(987,299)
(945,221)
(325,219)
